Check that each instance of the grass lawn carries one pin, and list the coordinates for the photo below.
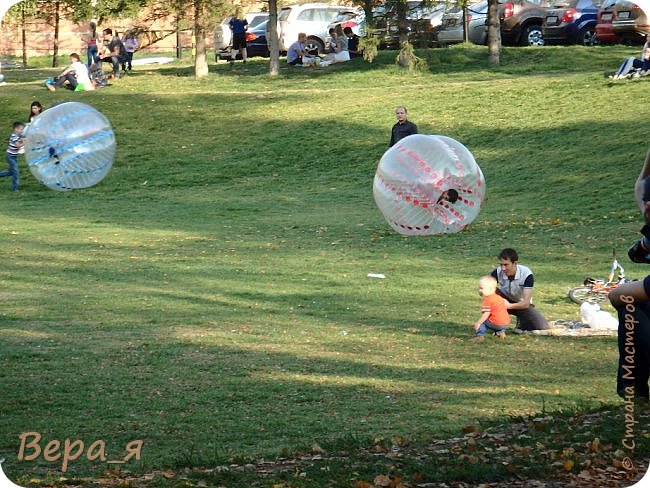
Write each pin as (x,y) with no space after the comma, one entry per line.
(210,296)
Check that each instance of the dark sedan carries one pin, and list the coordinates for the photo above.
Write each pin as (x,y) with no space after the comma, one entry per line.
(255,42)
(572,22)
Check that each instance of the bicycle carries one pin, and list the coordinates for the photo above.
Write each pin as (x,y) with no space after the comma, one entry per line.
(595,290)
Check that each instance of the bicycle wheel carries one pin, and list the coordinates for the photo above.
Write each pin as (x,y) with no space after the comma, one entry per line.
(581,294)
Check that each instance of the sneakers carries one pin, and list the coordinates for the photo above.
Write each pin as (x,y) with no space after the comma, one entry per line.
(501,335)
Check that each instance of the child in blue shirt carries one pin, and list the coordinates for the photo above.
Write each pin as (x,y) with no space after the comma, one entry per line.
(15,147)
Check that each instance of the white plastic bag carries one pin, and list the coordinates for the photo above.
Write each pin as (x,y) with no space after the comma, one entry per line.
(594,317)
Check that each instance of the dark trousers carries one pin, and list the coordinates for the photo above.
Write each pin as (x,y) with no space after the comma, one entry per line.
(527,318)
(633,350)
(115,62)
(128,60)
(70,78)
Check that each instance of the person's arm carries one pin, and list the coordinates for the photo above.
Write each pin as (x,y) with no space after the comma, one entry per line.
(639,186)
(524,303)
(484,317)
(67,70)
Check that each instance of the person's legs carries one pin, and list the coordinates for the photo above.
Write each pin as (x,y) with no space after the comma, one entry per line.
(529,319)
(115,61)
(129,60)
(483,329)
(12,161)
(71,81)
(499,330)
(92,54)
(634,350)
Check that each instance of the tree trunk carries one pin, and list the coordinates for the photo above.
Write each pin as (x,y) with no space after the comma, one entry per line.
(24,35)
(493,33)
(201,61)
(274,42)
(55,47)
(405,54)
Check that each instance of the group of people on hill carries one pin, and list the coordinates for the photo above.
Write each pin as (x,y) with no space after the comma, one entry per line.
(343,45)
(78,76)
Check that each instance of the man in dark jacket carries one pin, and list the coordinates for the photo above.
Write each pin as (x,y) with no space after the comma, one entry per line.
(403,127)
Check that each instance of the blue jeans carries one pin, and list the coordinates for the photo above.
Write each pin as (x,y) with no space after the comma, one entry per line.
(70,78)
(93,56)
(12,159)
(115,62)
(487,326)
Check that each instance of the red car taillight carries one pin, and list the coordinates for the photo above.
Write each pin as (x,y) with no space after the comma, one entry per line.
(468,17)
(508,10)
(251,36)
(569,15)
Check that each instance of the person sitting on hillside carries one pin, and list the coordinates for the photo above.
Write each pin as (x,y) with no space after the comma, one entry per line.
(113,51)
(633,67)
(74,77)
(353,42)
(296,54)
(340,54)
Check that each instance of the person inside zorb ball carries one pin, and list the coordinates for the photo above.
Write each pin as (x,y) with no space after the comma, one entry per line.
(70,146)
(428,184)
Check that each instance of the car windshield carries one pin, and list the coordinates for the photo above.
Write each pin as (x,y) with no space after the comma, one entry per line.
(257,20)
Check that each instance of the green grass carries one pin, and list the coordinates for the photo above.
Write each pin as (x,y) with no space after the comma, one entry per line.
(210,295)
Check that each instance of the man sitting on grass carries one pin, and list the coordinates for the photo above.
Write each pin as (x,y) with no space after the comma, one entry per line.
(516,287)
(73,77)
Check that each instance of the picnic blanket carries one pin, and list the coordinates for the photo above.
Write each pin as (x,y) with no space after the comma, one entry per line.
(574,328)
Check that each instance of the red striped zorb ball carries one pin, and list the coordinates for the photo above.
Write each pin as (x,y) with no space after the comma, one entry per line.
(428,184)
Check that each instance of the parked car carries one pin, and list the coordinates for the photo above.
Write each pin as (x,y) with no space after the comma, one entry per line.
(422,23)
(310,18)
(451,30)
(605,16)
(571,21)
(256,44)
(354,20)
(521,22)
(630,22)
(223,34)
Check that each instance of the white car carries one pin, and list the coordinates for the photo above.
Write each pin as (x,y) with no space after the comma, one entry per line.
(223,34)
(310,18)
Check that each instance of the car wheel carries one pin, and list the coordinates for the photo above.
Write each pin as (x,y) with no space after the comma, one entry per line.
(587,37)
(532,36)
(313,44)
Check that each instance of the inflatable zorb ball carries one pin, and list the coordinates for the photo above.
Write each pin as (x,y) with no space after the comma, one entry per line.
(415,179)
(69,146)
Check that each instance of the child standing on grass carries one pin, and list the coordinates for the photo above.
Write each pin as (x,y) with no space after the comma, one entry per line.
(494,314)
(35,109)
(130,45)
(16,147)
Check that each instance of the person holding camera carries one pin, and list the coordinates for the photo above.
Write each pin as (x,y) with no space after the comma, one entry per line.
(632,302)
